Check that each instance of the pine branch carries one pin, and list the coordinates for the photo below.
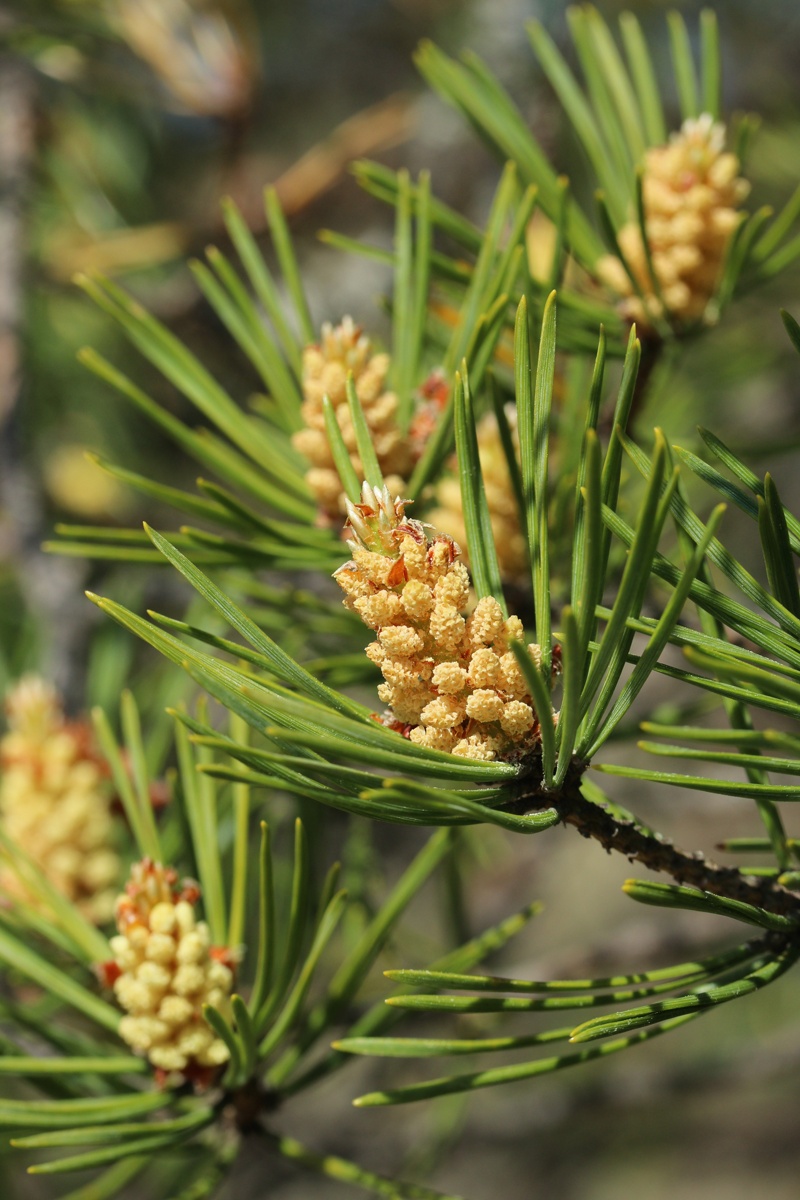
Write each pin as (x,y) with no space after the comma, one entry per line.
(624,835)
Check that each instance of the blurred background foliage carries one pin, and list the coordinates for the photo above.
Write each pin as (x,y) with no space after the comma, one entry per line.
(122,123)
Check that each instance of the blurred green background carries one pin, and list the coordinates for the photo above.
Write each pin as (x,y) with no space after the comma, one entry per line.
(122,124)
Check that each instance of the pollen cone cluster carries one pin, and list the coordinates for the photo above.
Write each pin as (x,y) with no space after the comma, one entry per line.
(164,971)
(55,803)
(345,348)
(691,192)
(451,681)
(448,511)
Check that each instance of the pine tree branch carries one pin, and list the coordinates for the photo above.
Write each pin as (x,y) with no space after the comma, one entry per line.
(657,853)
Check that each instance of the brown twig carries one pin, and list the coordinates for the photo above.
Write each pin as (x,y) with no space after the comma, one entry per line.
(624,835)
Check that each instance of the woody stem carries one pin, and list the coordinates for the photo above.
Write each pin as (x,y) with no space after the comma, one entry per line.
(624,835)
